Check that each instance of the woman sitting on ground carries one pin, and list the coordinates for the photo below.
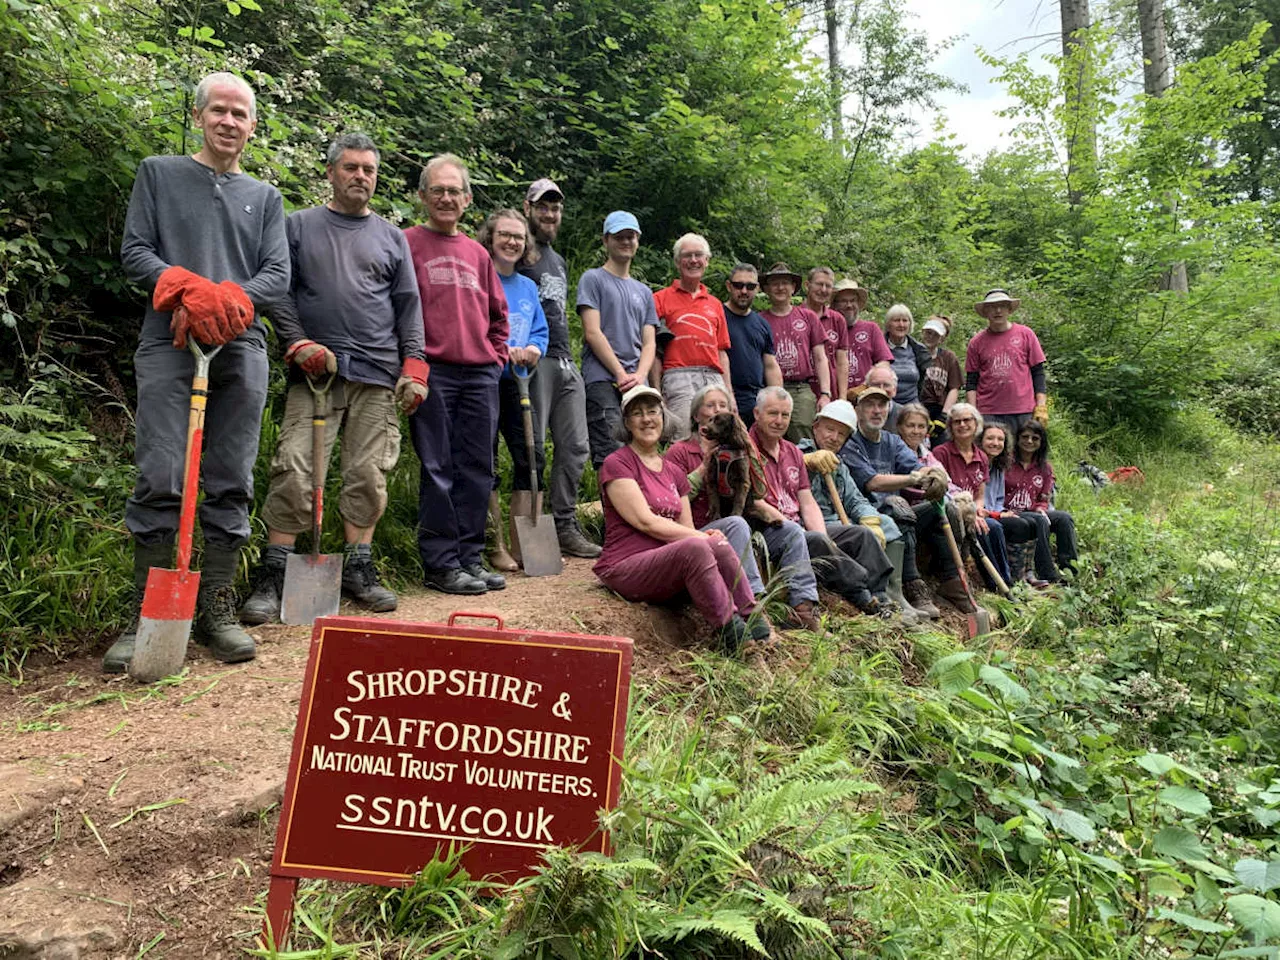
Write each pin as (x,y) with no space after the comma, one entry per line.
(968,467)
(1028,489)
(652,552)
(1019,534)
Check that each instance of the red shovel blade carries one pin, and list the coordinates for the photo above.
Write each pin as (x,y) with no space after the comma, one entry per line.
(168,607)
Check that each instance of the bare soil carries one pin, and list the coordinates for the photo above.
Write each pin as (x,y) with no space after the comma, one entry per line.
(134,816)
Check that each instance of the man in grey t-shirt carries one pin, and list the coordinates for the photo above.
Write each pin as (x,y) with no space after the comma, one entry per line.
(352,318)
(207,242)
(559,398)
(619,326)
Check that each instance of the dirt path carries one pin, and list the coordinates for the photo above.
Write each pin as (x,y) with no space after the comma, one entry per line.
(133,813)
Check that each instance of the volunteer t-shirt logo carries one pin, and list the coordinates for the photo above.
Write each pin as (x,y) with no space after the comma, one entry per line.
(1037,481)
(799,325)
(449,271)
(788,355)
(248,208)
(793,475)
(553,288)
(861,336)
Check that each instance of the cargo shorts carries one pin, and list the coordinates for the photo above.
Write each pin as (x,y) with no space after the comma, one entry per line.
(369,421)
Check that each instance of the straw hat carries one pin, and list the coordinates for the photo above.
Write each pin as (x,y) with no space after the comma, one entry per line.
(860,293)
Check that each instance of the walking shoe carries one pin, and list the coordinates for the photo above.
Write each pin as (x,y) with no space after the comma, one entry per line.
(454,580)
(862,599)
(360,582)
(573,542)
(953,591)
(217,628)
(732,636)
(491,580)
(758,626)
(917,594)
(263,605)
(803,617)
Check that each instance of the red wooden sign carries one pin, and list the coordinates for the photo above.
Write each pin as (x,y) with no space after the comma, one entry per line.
(415,736)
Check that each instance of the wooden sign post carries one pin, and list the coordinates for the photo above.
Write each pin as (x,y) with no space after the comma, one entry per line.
(415,736)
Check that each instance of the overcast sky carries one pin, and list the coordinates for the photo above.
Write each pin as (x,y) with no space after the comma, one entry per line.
(1003,27)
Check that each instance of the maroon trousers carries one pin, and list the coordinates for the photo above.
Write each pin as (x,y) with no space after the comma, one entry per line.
(707,570)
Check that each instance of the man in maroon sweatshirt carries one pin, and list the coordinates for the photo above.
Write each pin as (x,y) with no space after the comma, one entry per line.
(464,316)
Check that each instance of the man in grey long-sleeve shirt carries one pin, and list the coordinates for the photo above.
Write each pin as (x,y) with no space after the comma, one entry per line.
(353,314)
(202,236)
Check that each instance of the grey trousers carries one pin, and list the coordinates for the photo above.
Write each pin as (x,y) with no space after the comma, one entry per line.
(738,532)
(678,387)
(604,414)
(233,421)
(560,403)
(789,551)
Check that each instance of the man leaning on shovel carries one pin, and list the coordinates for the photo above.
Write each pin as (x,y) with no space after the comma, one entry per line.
(354,311)
(207,238)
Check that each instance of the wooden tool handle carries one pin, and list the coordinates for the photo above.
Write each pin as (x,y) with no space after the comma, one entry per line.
(835,498)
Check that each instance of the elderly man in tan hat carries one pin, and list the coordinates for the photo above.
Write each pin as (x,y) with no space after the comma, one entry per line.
(1004,366)
(799,346)
(867,346)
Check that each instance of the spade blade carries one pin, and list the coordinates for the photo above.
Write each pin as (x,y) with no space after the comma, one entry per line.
(164,626)
(312,587)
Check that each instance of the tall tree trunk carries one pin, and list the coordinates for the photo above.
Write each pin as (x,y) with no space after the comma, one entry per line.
(1157,77)
(833,68)
(1082,147)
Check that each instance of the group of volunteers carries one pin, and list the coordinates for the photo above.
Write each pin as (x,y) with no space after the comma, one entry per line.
(450,331)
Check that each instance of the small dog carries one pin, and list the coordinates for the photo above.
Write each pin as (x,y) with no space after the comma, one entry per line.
(733,479)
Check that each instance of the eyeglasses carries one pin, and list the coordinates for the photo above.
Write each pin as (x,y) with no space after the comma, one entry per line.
(452,192)
(639,413)
(695,256)
(544,207)
(743,285)
(963,420)
(508,235)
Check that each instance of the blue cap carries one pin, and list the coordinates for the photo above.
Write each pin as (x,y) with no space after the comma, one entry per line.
(620,220)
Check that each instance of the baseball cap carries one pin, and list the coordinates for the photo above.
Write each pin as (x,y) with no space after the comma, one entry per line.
(638,391)
(620,220)
(540,188)
(873,392)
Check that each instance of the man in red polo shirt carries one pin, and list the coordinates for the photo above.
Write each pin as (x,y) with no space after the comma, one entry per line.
(694,337)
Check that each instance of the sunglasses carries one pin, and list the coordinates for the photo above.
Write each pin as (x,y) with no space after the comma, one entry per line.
(743,285)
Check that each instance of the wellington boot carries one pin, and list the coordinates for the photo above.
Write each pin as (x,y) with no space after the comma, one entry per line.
(954,592)
(917,595)
(910,615)
(520,505)
(499,558)
(217,625)
(144,558)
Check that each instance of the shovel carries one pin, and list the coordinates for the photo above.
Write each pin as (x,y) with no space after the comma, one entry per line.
(313,581)
(169,602)
(975,545)
(980,619)
(539,545)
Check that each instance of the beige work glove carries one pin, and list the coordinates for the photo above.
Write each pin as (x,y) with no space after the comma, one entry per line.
(822,461)
(872,522)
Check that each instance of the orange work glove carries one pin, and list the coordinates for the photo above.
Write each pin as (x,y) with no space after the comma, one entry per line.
(411,388)
(205,304)
(313,359)
(239,307)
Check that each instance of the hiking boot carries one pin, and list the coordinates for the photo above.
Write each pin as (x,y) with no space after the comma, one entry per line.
(917,594)
(454,580)
(953,591)
(732,636)
(491,580)
(573,542)
(263,605)
(216,625)
(159,555)
(360,583)
(863,600)
(803,617)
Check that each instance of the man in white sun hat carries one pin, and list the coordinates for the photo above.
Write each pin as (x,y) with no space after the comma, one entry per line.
(1004,366)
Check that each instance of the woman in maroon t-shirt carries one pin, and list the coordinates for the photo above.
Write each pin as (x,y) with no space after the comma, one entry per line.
(652,552)
(1028,488)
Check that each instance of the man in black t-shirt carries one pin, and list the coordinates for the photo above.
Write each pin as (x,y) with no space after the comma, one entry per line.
(559,398)
(752,365)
